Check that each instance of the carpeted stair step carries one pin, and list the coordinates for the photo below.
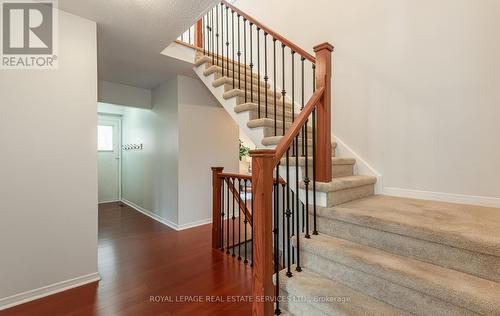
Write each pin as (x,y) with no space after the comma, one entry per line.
(341,167)
(310,294)
(460,237)
(253,107)
(229,80)
(345,189)
(217,70)
(414,286)
(269,124)
(231,92)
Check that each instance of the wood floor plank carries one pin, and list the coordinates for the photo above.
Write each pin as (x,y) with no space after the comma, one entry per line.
(139,258)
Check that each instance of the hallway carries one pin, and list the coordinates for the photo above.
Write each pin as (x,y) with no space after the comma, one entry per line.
(139,258)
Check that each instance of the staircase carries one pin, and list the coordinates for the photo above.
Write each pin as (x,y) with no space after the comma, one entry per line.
(373,254)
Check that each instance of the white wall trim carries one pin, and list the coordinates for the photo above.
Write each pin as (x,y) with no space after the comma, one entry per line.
(444,197)
(164,221)
(195,224)
(35,294)
(150,214)
(362,167)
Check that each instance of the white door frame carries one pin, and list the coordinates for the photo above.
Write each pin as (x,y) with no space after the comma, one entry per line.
(118,119)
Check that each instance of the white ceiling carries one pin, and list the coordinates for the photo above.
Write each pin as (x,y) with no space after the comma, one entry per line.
(132,34)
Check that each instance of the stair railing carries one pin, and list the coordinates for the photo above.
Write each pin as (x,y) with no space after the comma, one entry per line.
(232,214)
(275,77)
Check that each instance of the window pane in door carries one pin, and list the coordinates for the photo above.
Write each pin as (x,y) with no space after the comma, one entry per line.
(104,138)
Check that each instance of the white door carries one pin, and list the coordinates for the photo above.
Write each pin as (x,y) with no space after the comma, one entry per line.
(108,158)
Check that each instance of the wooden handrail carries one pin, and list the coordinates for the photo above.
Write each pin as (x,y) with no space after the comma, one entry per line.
(269,31)
(299,122)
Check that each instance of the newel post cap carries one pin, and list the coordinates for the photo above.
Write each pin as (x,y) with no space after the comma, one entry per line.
(323,46)
(217,168)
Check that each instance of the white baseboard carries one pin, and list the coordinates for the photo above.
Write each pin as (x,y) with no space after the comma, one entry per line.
(362,167)
(164,221)
(444,197)
(35,294)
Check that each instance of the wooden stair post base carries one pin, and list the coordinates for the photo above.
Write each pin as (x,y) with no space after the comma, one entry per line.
(216,207)
(262,190)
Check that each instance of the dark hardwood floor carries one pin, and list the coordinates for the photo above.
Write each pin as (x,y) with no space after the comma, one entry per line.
(140,258)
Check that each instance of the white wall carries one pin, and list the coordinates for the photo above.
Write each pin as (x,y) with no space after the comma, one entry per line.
(115,93)
(48,187)
(415,86)
(185,134)
(150,176)
(208,137)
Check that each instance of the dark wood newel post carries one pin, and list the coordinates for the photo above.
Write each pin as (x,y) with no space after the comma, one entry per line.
(262,189)
(324,115)
(198,34)
(216,207)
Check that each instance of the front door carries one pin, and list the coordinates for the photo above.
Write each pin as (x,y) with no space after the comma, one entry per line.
(108,158)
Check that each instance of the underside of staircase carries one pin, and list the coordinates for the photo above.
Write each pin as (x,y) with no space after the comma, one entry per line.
(375,255)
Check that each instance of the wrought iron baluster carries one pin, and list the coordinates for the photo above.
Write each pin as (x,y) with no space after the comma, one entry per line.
(246,221)
(234,217)
(251,226)
(266,76)
(222,214)
(239,219)
(276,240)
(217,33)
(315,227)
(283,91)
(275,96)
(227,216)
(258,72)
(232,43)
(222,40)
(239,54)
(213,38)
(251,62)
(245,55)
(227,41)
